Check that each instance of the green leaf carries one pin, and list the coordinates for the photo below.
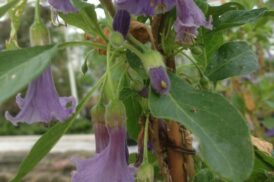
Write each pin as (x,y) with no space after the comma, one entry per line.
(85,18)
(216,11)
(5,8)
(42,148)
(19,67)
(238,17)
(133,110)
(221,131)
(231,59)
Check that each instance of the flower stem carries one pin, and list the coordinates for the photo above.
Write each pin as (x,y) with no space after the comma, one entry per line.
(145,160)
(82,43)
(108,72)
(134,50)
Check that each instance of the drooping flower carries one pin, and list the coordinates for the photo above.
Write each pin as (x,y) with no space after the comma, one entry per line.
(145,7)
(121,22)
(62,6)
(108,165)
(189,19)
(111,163)
(42,103)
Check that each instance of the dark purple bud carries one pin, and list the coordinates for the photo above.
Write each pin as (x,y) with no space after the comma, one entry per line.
(189,19)
(42,103)
(121,22)
(62,6)
(159,80)
(110,164)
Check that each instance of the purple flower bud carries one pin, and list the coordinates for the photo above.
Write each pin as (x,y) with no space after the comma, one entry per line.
(62,6)
(121,22)
(189,19)
(42,103)
(145,7)
(270,133)
(110,164)
(159,80)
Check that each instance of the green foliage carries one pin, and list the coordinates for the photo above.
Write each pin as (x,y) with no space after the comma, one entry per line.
(220,129)
(231,59)
(19,67)
(5,8)
(234,18)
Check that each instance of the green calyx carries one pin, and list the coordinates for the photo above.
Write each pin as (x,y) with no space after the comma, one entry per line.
(152,59)
(145,173)
(115,113)
(39,34)
(98,113)
(116,39)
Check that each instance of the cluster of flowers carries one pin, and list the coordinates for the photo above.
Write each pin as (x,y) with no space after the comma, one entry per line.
(42,103)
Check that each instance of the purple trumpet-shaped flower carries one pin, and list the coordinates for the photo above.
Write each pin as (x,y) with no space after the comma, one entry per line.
(189,19)
(159,80)
(101,136)
(145,7)
(62,6)
(42,103)
(121,22)
(108,165)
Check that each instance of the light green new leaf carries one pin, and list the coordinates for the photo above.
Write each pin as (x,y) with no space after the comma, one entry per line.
(19,67)
(5,8)
(222,132)
(231,59)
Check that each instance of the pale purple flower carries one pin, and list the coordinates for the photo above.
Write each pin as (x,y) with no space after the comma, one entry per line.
(159,80)
(62,6)
(108,165)
(101,136)
(189,19)
(42,103)
(145,7)
(121,22)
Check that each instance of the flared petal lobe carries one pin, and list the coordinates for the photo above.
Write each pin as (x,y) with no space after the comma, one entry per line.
(159,80)
(62,6)
(145,7)
(108,165)
(42,103)
(189,19)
